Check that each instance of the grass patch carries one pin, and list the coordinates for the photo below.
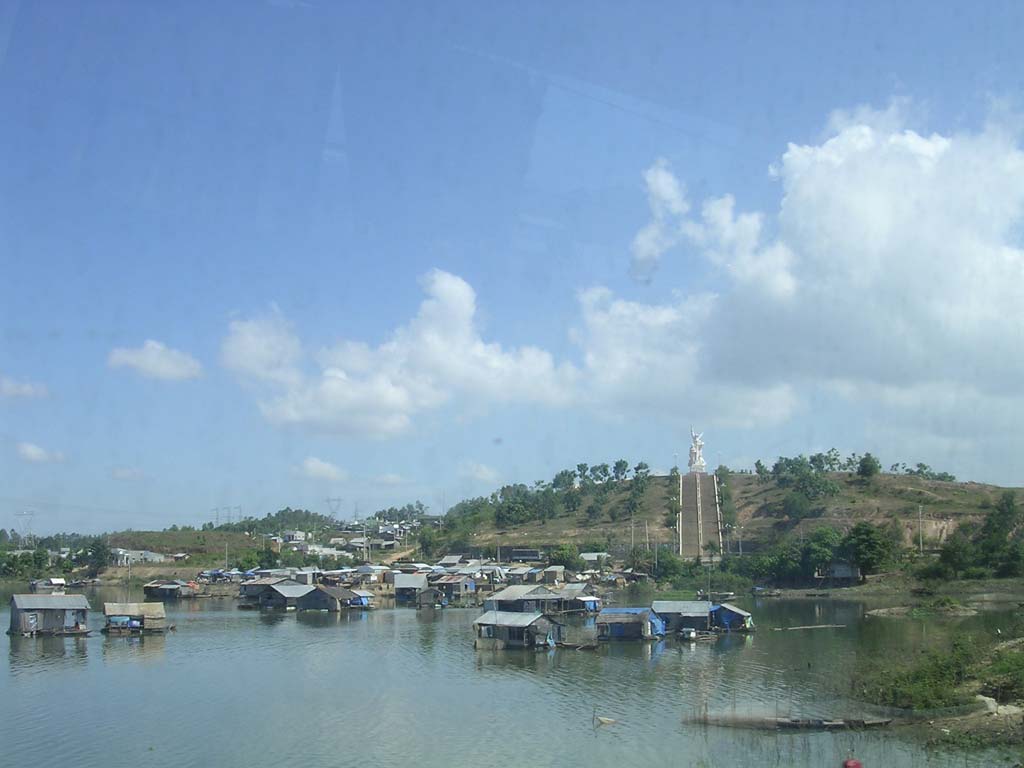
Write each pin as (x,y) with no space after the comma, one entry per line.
(934,680)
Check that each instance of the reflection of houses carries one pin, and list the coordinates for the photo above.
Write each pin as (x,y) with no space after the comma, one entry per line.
(498,630)
(168,590)
(731,618)
(523,598)
(677,614)
(134,618)
(49,615)
(456,587)
(407,586)
(629,624)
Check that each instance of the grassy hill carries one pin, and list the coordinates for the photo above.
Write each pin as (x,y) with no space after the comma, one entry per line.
(756,508)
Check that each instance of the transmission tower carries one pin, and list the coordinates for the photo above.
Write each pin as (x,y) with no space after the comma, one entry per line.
(25,526)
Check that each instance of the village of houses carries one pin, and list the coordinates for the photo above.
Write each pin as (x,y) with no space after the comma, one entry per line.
(524,603)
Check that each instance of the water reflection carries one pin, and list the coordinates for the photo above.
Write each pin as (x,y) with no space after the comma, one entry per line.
(147,648)
(34,653)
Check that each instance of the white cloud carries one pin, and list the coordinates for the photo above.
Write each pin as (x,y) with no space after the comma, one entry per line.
(13,388)
(34,454)
(481,473)
(155,360)
(318,469)
(390,478)
(376,391)
(666,198)
(126,473)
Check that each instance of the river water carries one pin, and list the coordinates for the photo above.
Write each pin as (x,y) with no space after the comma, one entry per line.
(397,687)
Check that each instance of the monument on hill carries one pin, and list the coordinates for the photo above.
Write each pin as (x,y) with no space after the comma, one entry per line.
(697,463)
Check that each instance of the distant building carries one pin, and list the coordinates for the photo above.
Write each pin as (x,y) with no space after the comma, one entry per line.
(163,589)
(291,537)
(123,557)
(525,556)
(49,615)
(324,598)
(595,558)
(522,598)
(284,596)
(456,587)
(731,618)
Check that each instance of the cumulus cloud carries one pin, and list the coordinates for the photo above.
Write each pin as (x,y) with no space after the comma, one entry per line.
(155,360)
(318,469)
(14,388)
(894,275)
(34,454)
(376,391)
(481,473)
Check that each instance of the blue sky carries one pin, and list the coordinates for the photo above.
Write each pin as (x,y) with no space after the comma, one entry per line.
(392,252)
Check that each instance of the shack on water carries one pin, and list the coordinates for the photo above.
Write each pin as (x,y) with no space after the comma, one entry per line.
(285,596)
(49,615)
(523,598)
(431,597)
(407,586)
(629,624)
(732,619)
(498,630)
(169,590)
(683,614)
(134,618)
(325,598)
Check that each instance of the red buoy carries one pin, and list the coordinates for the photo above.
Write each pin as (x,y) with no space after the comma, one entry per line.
(852,763)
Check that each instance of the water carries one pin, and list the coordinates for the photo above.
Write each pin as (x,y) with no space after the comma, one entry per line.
(401,687)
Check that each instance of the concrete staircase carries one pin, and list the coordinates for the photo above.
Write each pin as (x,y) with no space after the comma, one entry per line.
(702,487)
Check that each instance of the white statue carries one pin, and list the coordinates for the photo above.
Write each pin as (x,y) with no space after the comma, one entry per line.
(697,463)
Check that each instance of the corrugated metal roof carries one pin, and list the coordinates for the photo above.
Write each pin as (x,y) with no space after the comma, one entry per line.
(523,592)
(293,590)
(410,581)
(44,602)
(508,619)
(734,609)
(606,617)
(363,593)
(149,610)
(682,607)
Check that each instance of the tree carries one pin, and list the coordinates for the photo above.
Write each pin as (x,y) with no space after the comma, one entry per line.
(428,541)
(619,470)
(762,471)
(564,479)
(599,473)
(958,552)
(868,467)
(593,512)
(567,555)
(582,471)
(868,547)
(5,538)
(796,506)
(97,555)
(571,501)
(640,560)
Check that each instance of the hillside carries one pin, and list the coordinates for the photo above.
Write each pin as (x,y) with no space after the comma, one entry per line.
(757,510)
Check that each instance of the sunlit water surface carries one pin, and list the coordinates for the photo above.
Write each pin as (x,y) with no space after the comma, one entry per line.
(401,687)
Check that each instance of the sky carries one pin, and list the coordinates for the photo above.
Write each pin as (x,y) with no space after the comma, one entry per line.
(267,254)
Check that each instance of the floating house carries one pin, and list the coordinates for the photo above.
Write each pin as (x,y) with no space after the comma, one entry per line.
(518,575)
(732,619)
(284,596)
(456,588)
(169,590)
(362,599)
(49,615)
(431,597)
(576,597)
(53,584)
(683,614)
(629,624)
(326,598)
(407,586)
(523,598)
(251,593)
(134,618)
(498,630)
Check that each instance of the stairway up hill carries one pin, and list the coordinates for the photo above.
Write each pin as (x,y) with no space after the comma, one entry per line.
(701,515)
